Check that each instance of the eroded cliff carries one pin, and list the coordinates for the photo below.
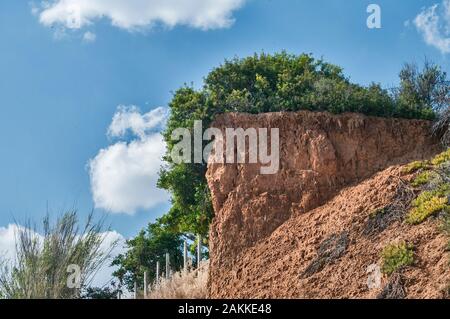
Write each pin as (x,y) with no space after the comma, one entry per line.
(268,228)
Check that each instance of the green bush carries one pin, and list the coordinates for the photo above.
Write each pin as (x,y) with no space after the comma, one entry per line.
(427,208)
(429,203)
(396,256)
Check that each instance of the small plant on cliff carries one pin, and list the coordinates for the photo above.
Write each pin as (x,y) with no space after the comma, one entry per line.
(436,177)
(441,158)
(426,209)
(422,179)
(415,166)
(429,203)
(396,256)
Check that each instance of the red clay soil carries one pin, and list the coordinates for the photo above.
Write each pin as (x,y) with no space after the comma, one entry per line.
(305,232)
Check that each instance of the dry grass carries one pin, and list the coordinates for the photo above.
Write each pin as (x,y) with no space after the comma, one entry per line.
(191,284)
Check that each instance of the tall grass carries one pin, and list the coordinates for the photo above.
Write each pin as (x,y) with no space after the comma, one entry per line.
(190,284)
(40,268)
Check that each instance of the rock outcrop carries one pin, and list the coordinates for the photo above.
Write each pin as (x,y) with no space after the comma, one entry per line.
(268,228)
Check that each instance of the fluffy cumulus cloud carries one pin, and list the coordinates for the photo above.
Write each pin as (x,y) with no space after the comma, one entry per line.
(124,175)
(139,14)
(102,276)
(434,24)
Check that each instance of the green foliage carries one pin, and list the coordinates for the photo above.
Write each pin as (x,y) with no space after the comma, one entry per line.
(396,256)
(40,271)
(148,247)
(429,203)
(423,91)
(435,199)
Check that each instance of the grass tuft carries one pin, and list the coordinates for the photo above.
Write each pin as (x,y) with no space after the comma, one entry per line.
(396,256)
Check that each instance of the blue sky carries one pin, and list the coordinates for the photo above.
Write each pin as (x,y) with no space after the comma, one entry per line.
(60,86)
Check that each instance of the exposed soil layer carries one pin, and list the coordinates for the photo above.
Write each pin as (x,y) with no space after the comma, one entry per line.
(309,231)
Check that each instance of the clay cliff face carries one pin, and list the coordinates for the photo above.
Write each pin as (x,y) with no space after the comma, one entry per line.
(320,155)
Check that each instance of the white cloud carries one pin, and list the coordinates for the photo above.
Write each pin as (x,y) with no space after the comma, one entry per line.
(7,242)
(89,37)
(130,118)
(124,175)
(140,14)
(434,24)
(104,273)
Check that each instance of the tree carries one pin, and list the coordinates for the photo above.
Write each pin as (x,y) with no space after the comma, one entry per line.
(423,92)
(144,251)
(41,262)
